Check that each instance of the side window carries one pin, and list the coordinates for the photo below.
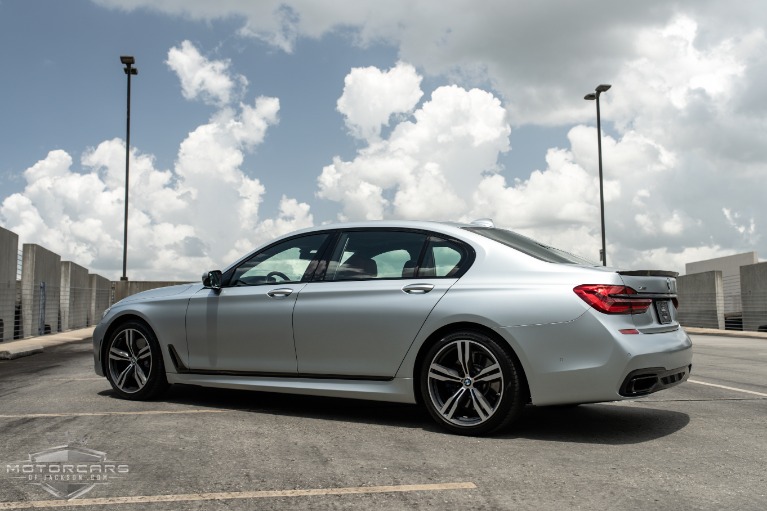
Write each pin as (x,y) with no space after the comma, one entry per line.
(363,255)
(444,258)
(285,262)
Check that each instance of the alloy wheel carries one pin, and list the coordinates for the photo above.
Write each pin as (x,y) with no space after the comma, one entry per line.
(465,383)
(130,360)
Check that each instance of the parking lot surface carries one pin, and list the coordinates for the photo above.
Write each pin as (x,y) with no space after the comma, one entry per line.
(700,445)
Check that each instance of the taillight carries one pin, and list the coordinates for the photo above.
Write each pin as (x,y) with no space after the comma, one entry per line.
(613,299)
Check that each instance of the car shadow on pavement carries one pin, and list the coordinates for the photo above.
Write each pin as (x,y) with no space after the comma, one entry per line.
(295,405)
(607,424)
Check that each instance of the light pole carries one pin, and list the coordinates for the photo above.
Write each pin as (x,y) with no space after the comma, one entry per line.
(129,70)
(595,96)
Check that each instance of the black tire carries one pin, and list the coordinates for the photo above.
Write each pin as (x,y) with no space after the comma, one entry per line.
(471,385)
(134,364)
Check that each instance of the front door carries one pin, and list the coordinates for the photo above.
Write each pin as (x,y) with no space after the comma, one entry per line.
(247,326)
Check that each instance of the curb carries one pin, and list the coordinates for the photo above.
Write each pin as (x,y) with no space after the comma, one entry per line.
(725,333)
(21,351)
(32,345)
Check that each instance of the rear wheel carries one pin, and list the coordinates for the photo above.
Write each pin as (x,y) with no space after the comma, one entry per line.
(470,384)
(134,362)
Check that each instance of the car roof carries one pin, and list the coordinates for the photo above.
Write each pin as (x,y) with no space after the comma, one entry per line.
(427,225)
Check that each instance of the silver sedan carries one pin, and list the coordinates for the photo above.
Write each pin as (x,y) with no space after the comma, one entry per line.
(471,321)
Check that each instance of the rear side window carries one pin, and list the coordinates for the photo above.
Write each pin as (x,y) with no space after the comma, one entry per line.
(365,255)
(529,246)
(444,258)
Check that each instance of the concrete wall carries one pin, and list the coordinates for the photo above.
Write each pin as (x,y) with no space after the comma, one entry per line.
(701,300)
(730,268)
(753,285)
(101,297)
(9,253)
(75,296)
(40,266)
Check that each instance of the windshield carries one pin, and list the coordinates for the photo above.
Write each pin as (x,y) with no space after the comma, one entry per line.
(529,246)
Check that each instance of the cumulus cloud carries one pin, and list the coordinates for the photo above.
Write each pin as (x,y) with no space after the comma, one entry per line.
(372,96)
(441,162)
(686,118)
(201,78)
(429,161)
(203,213)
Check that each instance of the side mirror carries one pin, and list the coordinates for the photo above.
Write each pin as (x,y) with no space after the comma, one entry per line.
(212,279)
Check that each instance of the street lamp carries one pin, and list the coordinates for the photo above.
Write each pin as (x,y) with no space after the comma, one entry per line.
(129,70)
(595,96)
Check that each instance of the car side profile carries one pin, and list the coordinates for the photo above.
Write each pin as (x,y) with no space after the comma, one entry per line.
(471,321)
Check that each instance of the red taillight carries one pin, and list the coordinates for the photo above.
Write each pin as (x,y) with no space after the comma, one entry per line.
(613,299)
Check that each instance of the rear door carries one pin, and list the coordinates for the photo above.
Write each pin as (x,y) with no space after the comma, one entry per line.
(378,290)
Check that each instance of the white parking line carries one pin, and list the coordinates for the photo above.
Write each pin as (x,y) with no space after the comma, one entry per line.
(728,388)
(193,497)
(96,414)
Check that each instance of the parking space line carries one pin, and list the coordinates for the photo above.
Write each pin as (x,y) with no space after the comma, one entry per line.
(728,388)
(97,414)
(90,378)
(194,497)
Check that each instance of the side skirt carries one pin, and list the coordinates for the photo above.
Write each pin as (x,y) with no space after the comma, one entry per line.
(397,390)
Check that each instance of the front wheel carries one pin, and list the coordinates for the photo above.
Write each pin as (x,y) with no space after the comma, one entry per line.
(134,362)
(470,384)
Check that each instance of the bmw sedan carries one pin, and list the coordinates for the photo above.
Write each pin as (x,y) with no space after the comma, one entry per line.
(471,321)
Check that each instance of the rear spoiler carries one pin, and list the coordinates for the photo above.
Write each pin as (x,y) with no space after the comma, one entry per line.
(649,273)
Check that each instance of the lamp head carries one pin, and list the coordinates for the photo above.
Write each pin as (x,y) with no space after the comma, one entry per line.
(603,88)
(590,96)
(128,60)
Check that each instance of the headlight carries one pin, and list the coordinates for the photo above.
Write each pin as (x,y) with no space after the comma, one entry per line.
(106,311)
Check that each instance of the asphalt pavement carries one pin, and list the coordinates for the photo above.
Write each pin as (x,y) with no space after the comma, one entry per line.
(700,445)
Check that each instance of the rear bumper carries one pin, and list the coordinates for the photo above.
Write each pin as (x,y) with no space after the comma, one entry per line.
(589,360)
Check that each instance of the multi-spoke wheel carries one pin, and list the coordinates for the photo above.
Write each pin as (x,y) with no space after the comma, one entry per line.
(470,384)
(134,363)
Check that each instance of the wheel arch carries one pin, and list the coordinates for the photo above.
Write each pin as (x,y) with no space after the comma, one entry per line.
(441,332)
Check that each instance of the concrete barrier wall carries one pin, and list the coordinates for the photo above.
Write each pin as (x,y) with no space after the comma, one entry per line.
(753,289)
(101,297)
(9,253)
(701,300)
(75,296)
(40,290)
(730,268)
(53,295)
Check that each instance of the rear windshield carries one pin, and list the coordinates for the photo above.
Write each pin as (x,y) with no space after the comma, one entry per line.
(529,246)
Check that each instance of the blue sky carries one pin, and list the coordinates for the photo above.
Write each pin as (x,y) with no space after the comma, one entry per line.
(453,112)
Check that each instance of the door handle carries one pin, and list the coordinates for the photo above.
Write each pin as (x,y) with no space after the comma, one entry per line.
(418,289)
(280,293)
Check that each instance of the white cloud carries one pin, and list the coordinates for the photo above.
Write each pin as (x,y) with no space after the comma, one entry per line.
(181,221)
(430,162)
(372,96)
(686,150)
(203,78)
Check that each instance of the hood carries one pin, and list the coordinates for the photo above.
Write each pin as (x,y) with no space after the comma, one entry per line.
(158,293)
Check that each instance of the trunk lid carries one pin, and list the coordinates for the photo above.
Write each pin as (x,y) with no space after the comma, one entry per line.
(660,286)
